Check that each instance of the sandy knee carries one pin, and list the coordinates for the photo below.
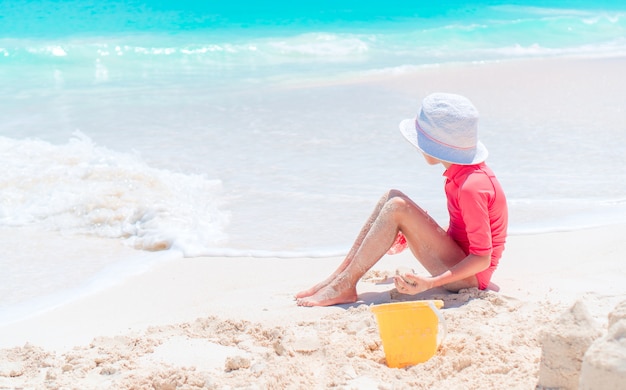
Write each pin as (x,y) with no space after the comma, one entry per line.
(400,205)
(394,193)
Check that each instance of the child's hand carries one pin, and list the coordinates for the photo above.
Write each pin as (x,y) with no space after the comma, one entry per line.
(412,284)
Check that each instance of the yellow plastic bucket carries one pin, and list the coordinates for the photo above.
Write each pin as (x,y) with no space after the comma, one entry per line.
(411,332)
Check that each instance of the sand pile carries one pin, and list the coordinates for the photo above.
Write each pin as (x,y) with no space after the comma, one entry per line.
(492,340)
(604,364)
(563,345)
(575,355)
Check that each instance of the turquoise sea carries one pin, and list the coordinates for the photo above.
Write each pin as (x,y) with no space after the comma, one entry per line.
(246,128)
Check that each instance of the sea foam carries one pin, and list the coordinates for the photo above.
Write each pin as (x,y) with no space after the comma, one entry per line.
(81,188)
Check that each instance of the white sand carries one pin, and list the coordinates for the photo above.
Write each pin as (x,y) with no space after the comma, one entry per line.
(232,323)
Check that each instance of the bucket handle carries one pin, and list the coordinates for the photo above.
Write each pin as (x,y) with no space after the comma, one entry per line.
(442,321)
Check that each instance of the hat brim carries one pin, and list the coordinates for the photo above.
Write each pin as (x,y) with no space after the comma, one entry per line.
(438,151)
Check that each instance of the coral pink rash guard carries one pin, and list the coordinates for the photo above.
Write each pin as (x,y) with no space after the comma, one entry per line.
(478,213)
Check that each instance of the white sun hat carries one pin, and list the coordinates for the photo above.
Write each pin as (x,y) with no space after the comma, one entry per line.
(446,128)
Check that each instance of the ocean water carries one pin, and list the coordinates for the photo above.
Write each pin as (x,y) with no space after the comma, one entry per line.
(133,131)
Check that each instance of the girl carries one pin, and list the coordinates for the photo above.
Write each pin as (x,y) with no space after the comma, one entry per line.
(463,256)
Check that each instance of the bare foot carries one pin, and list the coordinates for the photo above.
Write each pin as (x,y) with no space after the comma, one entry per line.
(331,279)
(316,288)
(311,291)
(329,296)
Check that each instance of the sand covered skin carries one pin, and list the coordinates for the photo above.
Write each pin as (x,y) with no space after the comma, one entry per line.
(206,330)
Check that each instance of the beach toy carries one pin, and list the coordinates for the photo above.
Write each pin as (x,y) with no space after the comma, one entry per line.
(411,331)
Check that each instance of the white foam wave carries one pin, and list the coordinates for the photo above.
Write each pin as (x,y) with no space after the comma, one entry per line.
(86,189)
(555,31)
(320,45)
(616,48)
(310,44)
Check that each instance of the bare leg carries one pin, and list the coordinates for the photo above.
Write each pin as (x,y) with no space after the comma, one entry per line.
(379,233)
(350,256)
(428,242)
(432,245)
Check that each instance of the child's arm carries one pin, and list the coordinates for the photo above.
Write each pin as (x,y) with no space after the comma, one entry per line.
(414,284)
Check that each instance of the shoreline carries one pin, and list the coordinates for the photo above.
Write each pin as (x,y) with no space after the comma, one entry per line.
(195,278)
(179,309)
